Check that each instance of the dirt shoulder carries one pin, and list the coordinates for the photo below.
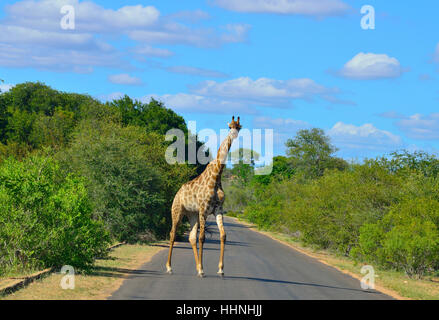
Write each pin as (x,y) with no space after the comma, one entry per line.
(105,277)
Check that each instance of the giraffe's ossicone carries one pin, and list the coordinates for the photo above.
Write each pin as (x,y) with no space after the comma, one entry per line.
(200,198)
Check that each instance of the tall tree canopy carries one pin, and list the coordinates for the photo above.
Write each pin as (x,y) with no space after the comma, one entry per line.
(312,153)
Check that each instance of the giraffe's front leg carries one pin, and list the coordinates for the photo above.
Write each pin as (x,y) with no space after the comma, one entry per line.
(219,222)
(202,220)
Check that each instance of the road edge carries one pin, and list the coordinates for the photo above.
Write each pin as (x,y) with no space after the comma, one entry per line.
(23,282)
(378,288)
(121,281)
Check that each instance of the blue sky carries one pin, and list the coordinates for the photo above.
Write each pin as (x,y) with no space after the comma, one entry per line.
(280,64)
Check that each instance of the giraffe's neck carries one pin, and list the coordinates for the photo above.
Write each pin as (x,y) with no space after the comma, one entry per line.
(223,151)
(216,166)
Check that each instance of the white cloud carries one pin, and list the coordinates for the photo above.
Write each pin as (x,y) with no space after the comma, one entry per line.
(281,125)
(366,137)
(369,66)
(235,32)
(316,8)
(152,52)
(125,79)
(265,91)
(420,127)
(22,35)
(244,95)
(283,128)
(44,58)
(192,16)
(176,33)
(391,115)
(184,102)
(90,17)
(196,71)
(31,35)
(352,140)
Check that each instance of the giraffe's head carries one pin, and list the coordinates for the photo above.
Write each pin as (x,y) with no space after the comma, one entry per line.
(234,127)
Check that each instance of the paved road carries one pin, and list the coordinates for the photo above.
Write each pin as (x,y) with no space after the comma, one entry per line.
(256,268)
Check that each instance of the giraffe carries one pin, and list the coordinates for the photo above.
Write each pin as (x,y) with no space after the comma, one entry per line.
(200,198)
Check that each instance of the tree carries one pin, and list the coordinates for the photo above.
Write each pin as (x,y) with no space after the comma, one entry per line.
(312,153)
(153,116)
(33,115)
(243,164)
(131,185)
(282,168)
(419,161)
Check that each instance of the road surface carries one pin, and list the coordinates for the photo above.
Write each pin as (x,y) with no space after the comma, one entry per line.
(256,268)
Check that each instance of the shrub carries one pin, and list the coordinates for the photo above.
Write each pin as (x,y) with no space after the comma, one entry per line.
(329,211)
(128,180)
(412,247)
(45,218)
(407,238)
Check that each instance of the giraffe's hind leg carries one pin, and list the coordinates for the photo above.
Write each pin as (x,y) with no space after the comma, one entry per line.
(219,220)
(193,220)
(177,215)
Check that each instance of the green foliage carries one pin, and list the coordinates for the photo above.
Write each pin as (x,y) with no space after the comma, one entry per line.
(129,181)
(243,155)
(405,163)
(312,153)
(152,116)
(237,197)
(328,211)
(242,172)
(53,131)
(282,168)
(33,115)
(45,217)
(266,213)
(243,165)
(155,117)
(407,238)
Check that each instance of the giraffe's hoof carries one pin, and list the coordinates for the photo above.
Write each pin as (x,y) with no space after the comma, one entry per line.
(201,274)
(221,272)
(168,270)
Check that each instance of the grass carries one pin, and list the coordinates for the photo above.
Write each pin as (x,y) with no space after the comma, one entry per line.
(17,273)
(105,277)
(393,283)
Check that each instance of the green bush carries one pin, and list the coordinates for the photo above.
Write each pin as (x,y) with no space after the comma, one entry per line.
(45,218)
(129,182)
(382,211)
(327,211)
(412,247)
(407,238)
(237,197)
